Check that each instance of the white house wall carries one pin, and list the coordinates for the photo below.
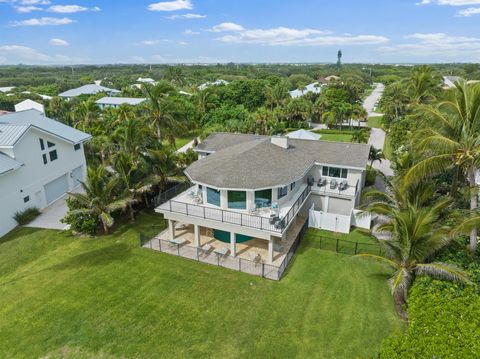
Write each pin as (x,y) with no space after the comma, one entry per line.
(30,179)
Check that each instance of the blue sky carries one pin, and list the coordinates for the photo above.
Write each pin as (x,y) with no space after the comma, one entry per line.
(209,31)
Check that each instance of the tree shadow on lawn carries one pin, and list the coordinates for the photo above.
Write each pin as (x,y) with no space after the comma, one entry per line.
(98,257)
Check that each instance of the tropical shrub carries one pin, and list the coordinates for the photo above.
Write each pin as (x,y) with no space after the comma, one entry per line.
(444,317)
(26,216)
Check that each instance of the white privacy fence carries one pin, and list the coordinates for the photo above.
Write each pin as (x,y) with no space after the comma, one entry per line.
(337,222)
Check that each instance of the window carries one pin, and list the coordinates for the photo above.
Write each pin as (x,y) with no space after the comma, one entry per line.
(292,186)
(213,196)
(282,192)
(44,159)
(53,155)
(334,172)
(237,199)
(50,144)
(76,147)
(42,145)
(263,198)
(26,199)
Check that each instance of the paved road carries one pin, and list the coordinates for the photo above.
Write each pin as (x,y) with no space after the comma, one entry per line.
(374,97)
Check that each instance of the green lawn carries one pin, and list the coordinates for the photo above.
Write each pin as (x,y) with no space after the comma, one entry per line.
(335,136)
(375,121)
(66,297)
(183,140)
(387,148)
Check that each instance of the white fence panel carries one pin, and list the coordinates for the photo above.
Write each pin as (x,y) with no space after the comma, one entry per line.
(361,219)
(329,221)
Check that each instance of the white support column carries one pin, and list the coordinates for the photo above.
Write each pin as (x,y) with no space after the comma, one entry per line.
(171,229)
(270,249)
(196,230)
(233,244)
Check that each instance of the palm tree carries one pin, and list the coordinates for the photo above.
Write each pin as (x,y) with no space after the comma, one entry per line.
(423,85)
(163,168)
(277,94)
(375,154)
(450,142)
(100,197)
(131,177)
(416,232)
(85,114)
(165,114)
(133,136)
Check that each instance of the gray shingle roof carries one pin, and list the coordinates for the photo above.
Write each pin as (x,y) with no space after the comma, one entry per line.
(32,118)
(220,140)
(8,164)
(258,163)
(90,89)
(120,101)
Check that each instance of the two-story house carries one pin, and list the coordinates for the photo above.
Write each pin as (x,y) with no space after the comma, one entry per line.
(40,160)
(261,189)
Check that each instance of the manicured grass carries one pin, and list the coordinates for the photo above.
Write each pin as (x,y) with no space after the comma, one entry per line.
(357,241)
(387,148)
(375,121)
(105,297)
(334,136)
(183,140)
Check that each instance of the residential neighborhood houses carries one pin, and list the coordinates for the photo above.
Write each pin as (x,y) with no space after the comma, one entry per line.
(90,89)
(40,160)
(115,102)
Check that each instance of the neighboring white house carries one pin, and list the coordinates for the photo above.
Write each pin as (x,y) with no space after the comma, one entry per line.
(449,81)
(261,189)
(29,105)
(215,83)
(117,101)
(90,89)
(147,80)
(314,87)
(40,160)
(304,135)
(6,89)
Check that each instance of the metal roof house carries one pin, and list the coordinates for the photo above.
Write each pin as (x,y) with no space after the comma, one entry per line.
(90,89)
(40,160)
(449,81)
(115,102)
(314,87)
(29,105)
(260,190)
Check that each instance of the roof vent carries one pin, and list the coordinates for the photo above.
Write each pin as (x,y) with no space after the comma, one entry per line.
(280,141)
(98,82)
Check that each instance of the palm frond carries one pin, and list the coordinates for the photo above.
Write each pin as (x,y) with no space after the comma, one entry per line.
(441,270)
(376,258)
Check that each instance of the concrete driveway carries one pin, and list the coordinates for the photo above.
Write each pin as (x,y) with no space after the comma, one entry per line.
(51,216)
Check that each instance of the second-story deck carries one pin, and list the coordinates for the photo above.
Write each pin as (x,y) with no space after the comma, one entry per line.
(270,220)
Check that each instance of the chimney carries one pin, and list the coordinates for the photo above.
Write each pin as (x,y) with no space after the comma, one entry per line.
(280,141)
(98,82)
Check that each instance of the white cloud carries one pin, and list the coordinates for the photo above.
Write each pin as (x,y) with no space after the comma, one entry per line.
(437,44)
(27,9)
(469,11)
(171,5)
(43,21)
(183,43)
(35,2)
(70,9)
(138,59)
(227,26)
(58,42)
(190,32)
(26,55)
(289,37)
(187,16)
(450,2)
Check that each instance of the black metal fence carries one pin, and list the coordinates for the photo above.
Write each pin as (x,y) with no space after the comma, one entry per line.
(259,268)
(342,245)
(167,195)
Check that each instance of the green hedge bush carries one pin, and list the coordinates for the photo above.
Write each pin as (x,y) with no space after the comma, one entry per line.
(26,216)
(444,318)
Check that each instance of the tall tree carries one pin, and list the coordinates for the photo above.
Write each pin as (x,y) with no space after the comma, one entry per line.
(450,142)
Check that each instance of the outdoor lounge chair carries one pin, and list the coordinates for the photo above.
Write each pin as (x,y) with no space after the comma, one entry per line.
(333,184)
(343,185)
(321,182)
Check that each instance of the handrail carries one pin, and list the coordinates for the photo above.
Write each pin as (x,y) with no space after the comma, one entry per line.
(238,218)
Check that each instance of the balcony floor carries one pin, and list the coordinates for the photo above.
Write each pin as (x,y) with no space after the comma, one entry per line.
(246,250)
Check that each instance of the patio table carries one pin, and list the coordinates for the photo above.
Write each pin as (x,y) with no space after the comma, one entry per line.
(178,242)
(221,251)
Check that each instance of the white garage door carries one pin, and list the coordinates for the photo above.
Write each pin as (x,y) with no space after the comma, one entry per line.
(77,175)
(56,189)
